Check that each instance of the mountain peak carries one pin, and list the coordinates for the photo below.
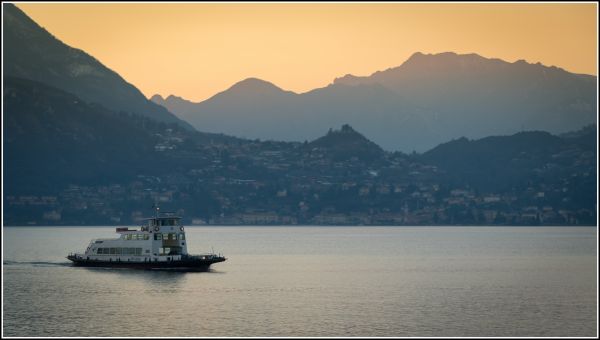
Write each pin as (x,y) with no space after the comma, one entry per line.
(346,143)
(345,134)
(347,129)
(157,98)
(443,60)
(250,88)
(349,79)
(418,56)
(174,97)
(254,85)
(420,62)
(170,99)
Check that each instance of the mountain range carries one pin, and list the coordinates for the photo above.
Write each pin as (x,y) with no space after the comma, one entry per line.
(427,100)
(33,53)
(83,146)
(52,134)
(91,165)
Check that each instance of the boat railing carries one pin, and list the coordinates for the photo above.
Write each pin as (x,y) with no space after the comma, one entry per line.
(74,255)
(103,239)
(208,256)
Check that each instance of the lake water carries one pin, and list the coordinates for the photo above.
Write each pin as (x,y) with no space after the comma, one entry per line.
(313,281)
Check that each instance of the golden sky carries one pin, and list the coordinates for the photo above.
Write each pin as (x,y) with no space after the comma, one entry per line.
(195,50)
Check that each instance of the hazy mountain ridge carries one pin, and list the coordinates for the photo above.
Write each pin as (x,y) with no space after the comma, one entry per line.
(496,160)
(31,52)
(88,165)
(500,163)
(427,100)
(75,161)
(105,165)
(49,133)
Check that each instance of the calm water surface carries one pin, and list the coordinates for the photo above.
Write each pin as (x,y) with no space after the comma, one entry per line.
(313,281)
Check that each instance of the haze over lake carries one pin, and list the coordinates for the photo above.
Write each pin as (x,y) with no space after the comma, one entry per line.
(313,281)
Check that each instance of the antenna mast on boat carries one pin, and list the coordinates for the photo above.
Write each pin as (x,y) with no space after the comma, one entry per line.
(156,208)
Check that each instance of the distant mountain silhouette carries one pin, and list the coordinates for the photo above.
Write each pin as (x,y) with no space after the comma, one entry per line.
(500,162)
(31,52)
(76,131)
(245,110)
(53,138)
(173,101)
(55,142)
(584,137)
(254,87)
(345,144)
(51,134)
(427,100)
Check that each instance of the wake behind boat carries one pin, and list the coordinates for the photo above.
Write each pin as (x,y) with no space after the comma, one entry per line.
(159,244)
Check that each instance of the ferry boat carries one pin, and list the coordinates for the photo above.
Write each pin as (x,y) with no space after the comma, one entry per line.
(158,244)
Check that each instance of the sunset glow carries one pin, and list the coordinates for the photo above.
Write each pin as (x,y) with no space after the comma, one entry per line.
(195,50)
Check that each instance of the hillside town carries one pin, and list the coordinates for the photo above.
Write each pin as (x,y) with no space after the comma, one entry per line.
(324,182)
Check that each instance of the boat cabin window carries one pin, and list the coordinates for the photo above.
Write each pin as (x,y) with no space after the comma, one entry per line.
(120,251)
(158,237)
(132,251)
(168,222)
(169,251)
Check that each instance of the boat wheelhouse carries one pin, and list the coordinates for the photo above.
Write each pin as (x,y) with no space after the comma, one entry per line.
(159,243)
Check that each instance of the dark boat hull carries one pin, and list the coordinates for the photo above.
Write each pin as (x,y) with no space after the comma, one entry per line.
(190,264)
